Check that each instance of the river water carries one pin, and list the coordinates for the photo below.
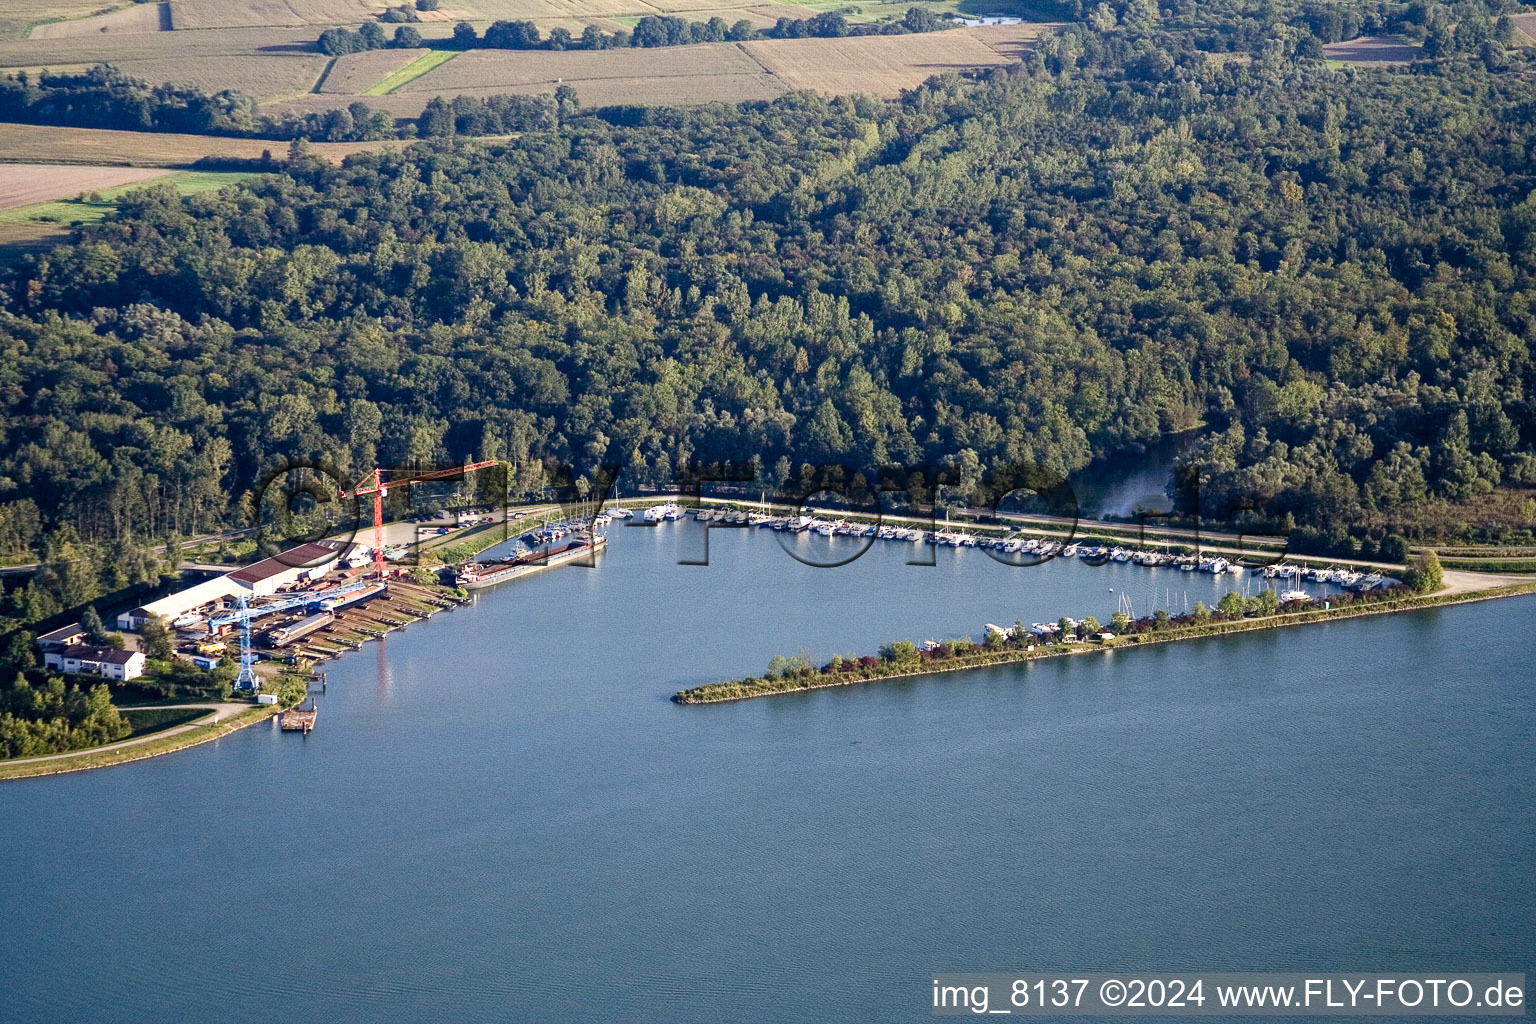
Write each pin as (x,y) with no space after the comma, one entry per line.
(501,816)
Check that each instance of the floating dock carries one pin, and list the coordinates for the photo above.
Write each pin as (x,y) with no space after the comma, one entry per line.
(301,718)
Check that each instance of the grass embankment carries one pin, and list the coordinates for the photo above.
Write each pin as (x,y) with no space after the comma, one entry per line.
(102,757)
(412,71)
(151,720)
(986,657)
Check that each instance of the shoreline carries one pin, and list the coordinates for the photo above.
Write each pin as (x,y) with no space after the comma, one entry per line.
(128,751)
(698,696)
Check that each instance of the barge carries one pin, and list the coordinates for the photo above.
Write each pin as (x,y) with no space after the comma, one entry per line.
(478,575)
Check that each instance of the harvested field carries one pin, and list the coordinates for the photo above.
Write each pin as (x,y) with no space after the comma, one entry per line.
(117,48)
(398,104)
(40,226)
(26,184)
(138,18)
(1012,40)
(884,65)
(692,8)
(265,78)
(1526,24)
(481,70)
(540,9)
(355,73)
(672,90)
(44,144)
(203,14)
(17,16)
(1368,50)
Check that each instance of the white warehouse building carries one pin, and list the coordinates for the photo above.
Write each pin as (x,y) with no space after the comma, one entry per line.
(307,561)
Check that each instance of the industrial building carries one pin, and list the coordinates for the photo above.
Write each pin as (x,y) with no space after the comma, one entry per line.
(97,661)
(296,565)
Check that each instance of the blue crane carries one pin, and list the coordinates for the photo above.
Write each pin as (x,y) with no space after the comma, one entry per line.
(244,613)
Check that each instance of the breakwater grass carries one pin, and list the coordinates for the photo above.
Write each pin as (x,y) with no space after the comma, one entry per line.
(903,661)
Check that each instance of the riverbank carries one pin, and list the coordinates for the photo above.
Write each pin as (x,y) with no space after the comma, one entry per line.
(124,751)
(1461,588)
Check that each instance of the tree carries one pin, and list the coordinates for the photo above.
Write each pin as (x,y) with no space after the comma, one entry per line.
(1160,620)
(1425,575)
(464,35)
(95,629)
(372,35)
(436,119)
(1090,627)
(1119,622)
(426,5)
(19,655)
(920,19)
(1231,605)
(156,640)
(1202,613)
(407,37)
(566,100)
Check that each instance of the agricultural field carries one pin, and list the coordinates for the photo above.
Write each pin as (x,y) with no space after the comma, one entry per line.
(397,104)
(356,73)
(1526,23)
(119,48)
(492,69)
(884,65)
(17,17)
(29,184)
(80,210)
(39,226)
(46,144)
(137,18)
(428,60)
(541,10)
(206,14)
(265,78)
(707,73)
(1373,50)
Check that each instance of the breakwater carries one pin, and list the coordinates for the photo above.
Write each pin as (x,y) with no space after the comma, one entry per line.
(903,660)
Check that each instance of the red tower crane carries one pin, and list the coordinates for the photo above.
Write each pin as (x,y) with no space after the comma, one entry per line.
(375,484)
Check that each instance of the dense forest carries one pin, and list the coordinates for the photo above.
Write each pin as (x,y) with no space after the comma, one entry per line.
(1329,270)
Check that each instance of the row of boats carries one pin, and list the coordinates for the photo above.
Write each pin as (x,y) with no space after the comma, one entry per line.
(1019,544)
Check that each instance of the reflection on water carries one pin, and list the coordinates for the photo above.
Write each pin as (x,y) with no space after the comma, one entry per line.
(1119,485)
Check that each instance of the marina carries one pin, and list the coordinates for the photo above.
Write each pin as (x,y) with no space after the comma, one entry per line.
(592,821)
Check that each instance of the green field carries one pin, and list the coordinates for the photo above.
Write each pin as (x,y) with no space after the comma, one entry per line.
(415,69)
(72,212)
